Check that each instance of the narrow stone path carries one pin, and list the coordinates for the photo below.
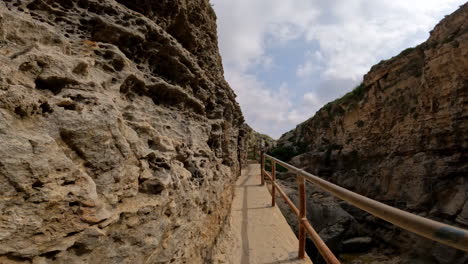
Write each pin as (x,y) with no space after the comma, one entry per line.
(258,233)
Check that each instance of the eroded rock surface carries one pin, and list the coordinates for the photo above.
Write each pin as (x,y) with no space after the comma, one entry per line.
(257,142)
(401,137)
(120,139)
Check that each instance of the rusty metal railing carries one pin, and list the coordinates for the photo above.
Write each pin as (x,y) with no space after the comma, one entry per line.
(436,231)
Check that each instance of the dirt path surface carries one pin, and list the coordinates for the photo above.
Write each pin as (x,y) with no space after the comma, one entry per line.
(256,232)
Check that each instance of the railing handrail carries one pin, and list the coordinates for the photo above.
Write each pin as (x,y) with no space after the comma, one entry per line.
(436,231)
(304,225)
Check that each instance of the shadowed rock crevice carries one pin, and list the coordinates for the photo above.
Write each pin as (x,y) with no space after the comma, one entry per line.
(54,84)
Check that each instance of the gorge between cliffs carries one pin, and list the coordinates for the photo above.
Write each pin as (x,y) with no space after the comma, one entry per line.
(401,138)
(121,141)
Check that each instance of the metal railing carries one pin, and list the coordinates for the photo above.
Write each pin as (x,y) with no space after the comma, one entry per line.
(436,231)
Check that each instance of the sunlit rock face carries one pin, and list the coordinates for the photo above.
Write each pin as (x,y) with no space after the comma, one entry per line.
(401,137)
(119,137)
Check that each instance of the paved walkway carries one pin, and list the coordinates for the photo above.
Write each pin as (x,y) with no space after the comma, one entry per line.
(260,232)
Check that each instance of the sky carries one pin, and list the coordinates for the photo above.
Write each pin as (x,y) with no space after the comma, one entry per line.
(285,59)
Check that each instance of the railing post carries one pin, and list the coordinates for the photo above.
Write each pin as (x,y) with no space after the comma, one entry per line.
(302,215)
(262,167)
(254,152)
(273,188)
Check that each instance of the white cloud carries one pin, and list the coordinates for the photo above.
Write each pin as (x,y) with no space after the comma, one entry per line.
(264,109)
(307,69)
(359,33)
(267,63)
(270,110)
(311,99)
(312,64)
(245,25)
(351,35)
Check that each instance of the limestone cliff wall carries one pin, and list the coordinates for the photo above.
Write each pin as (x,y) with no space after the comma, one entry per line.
(119,138)
(402,136)
(257,142)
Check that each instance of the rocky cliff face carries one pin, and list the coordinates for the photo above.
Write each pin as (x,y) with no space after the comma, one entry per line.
(120,139)
(257,142)
(401,137)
